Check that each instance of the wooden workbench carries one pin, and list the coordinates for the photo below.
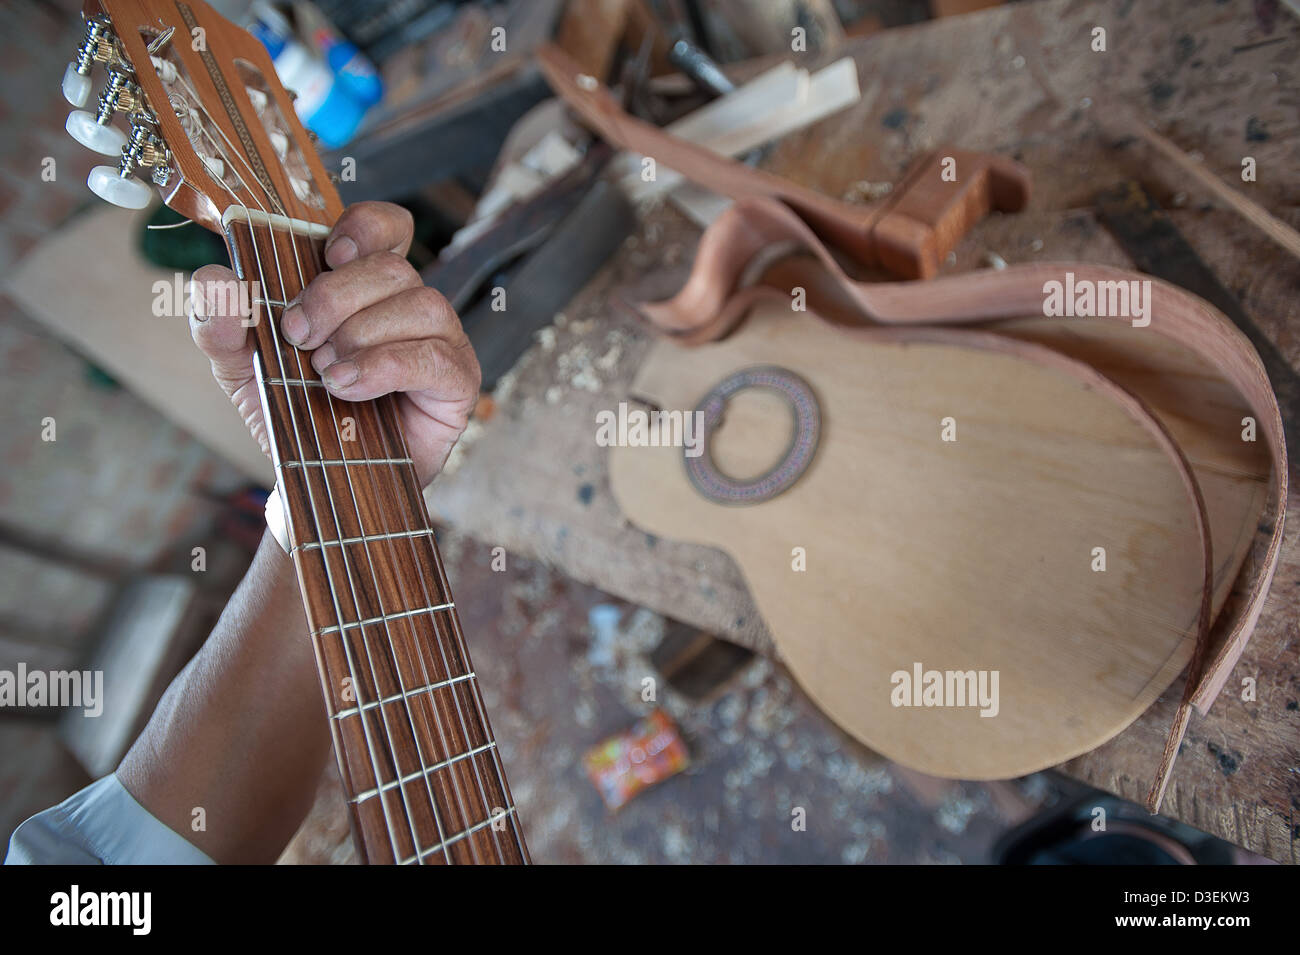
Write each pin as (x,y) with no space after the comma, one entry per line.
(1021,80)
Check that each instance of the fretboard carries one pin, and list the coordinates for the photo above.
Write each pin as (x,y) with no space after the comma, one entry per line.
(415,749)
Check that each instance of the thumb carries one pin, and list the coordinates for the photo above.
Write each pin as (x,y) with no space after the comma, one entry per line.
(220,309)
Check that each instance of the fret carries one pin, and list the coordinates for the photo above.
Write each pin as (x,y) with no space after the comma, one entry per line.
(385,618)
(344,462)
(421,773)
(372,524)
(506,813)
(364,539)
(305,383)
(403,696)
(405,650)
(431,708)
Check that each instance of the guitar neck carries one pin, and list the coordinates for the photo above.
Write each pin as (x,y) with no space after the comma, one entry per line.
(416,753)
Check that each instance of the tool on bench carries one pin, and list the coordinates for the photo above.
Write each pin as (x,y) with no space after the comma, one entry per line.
(700,68)
(908,233)
(518,230)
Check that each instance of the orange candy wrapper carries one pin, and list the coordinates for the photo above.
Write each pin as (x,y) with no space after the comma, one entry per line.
(628,762)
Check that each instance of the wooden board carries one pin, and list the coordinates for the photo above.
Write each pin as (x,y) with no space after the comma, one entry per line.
(970,554)
(108,315)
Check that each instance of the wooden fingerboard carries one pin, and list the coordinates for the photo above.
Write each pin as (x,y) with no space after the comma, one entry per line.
(419,762)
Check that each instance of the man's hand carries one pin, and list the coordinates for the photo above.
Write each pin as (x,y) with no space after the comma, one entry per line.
(371,326)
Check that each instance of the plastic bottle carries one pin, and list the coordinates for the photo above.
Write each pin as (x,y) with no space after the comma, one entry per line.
(324,105)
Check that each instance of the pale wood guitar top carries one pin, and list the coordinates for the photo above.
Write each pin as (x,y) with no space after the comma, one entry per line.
(973,554)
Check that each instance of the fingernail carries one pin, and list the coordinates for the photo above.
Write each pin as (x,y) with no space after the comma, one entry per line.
(339,251)
(324,356)
(340,374)
(198,303)
(294,324)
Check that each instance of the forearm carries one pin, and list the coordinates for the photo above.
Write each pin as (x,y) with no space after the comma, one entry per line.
(241,732)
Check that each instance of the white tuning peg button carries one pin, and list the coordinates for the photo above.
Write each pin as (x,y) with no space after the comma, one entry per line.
(280,143)
(129,193)
(76,88)
(215,166)
(105,140)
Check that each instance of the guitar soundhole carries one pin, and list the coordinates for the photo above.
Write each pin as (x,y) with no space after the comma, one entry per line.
(722,488)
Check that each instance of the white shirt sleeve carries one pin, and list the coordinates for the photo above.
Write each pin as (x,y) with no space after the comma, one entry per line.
(100,825)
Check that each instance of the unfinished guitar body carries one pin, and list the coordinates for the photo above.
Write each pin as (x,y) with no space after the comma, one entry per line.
(965,511)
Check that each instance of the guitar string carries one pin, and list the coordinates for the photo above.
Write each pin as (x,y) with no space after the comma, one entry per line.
(403,691)
(352,662)
(456,631)
(444,597)
(392,651)
(392,454)
(352,669)
(458,637)
(415,642)
(383,612)
(456,788)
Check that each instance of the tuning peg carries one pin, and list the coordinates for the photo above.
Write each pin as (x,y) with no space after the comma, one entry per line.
(125,191)
(76,88)
(143,150)
(99,45)
(106,140)
(121,94)
(96,132)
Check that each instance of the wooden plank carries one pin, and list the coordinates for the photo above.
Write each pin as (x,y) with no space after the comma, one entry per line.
(143,643)
(110,316)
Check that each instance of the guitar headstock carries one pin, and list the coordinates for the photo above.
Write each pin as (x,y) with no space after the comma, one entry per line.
(209,123)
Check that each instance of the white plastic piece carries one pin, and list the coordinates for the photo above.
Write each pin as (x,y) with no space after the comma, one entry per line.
(76,88)
(105,140)
(215,166)
(167,71)
(129,193)
(275,518)
(301,188)
(257,98)
(280,143)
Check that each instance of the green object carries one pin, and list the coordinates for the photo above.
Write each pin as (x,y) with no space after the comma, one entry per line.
(100,378)
(182,249)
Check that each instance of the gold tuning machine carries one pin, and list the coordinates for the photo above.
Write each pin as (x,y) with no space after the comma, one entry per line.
(145,148)
(122,94)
